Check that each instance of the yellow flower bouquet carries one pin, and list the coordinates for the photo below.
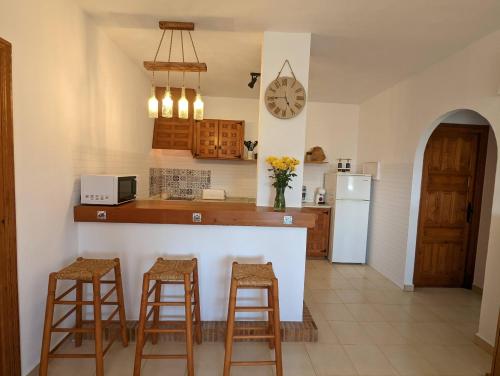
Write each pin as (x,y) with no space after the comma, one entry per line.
(283,170)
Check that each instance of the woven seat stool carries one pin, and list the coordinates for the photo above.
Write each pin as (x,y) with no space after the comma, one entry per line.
(169,272)
(254,276)
(84,271)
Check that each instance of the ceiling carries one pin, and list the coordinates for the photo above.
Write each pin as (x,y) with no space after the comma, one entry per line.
(359,47)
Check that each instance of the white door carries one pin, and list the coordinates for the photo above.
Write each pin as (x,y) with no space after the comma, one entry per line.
(353,187)
(349,231)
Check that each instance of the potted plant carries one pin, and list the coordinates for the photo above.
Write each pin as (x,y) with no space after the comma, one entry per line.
(283,170)
(250,145)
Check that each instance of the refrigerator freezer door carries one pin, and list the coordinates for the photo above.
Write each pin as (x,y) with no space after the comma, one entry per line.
(349,231)
(353,187)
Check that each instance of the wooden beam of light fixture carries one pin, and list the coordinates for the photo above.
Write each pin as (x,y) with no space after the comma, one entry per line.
(172,25)
(175,66)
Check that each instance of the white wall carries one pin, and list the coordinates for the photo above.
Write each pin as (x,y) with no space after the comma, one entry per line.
(74,94)
(280,137)
(394,127)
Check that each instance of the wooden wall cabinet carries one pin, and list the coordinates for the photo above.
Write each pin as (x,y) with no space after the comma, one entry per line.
(174,133)
(318,238)
(218,139)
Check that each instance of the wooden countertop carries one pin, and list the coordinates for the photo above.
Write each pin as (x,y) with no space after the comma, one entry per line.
(181,212)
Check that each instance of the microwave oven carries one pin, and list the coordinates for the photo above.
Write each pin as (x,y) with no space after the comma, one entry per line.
(108,189)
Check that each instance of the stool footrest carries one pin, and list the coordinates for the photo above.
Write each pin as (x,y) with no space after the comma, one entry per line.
(160,330)
(254,336)
(254,309)
(164,356)
(71,355)
(255,363)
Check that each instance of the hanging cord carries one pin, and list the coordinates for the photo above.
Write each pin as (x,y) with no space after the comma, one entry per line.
(182,45)
(197,60)
(283,66)
(157,51)
(170,54)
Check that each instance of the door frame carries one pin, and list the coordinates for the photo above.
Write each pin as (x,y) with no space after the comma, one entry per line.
(10,356)
(483,133)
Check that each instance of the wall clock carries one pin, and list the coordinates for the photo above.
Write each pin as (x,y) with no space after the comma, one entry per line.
(285,97)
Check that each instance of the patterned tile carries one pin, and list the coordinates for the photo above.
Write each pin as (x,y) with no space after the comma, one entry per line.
(181,183)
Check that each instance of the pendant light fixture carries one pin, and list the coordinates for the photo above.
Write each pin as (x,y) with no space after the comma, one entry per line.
(153,104)
(198,103)
(167,103)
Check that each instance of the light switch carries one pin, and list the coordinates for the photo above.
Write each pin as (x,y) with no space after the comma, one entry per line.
(101,215)
(287,220)
(196,217)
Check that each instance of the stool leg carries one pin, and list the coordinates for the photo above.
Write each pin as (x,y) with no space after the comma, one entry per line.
(47,329)
(121,303)
(156,312)
(79,312)
(197,310)
(270,317)
(189,324)
(277,331)
(230,327)
(99,361)
(142,323)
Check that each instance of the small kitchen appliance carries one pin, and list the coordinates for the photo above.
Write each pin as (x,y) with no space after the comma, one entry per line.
(108,189)
(320,196)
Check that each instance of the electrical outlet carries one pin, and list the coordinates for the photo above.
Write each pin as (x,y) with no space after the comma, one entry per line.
(287,220)
(101,215)
(196,217)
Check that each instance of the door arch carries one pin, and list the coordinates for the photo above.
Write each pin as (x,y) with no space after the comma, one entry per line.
(466,117)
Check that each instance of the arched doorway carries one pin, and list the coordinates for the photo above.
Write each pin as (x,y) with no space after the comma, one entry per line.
(430,252)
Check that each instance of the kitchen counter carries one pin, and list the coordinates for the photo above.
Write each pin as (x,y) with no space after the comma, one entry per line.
(314,205)
(138,232)
(226,213)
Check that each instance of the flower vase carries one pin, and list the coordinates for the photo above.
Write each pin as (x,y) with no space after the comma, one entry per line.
(250,155)
(279,200)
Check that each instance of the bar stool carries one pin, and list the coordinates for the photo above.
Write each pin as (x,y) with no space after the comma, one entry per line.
(83,271)
(254,276)
(169,272)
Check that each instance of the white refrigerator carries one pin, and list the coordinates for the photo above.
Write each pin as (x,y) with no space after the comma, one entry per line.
(349,196)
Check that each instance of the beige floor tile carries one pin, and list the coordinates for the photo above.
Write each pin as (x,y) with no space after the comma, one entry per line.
(296,361)
(393,313)
(381,333)
(350,333)
(364,312)
(421,313)
(351,296)
(329,360)
(407,361)
(243,351)
(446,361)
(325,296)
(209,356)
(336,312)
(176,367)
(325,333)
(369,360)
(119,360)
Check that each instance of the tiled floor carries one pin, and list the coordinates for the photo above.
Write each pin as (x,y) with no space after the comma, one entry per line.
(367,326)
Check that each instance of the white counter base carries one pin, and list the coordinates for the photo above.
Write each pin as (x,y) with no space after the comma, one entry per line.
(216,247)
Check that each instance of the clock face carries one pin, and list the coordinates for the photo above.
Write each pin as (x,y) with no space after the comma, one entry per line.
(285,97)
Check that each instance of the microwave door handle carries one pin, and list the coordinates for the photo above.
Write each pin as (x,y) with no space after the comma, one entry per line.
(134,186)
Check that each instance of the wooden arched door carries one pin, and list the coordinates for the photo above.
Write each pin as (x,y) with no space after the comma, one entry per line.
(450,206)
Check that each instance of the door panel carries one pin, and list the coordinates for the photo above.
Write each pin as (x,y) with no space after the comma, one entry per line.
(446,234)
(207,134)
(230,139)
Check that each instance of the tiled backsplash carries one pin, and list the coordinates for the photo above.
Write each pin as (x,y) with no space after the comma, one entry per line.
(178,183)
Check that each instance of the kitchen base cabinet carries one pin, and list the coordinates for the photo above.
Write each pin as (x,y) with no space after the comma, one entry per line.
(318,238)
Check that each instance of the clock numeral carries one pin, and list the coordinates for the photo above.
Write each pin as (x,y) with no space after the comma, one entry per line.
(270,99)
(299,90)
(276,110)
(271,89)
(300,97)
(292,111)
(272,105)
(284,81)
(298,106)
(277,84)
(283,112)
